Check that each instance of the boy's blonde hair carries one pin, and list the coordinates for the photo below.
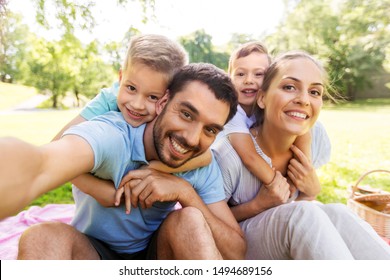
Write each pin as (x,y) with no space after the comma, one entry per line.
(245,50)
(157,52)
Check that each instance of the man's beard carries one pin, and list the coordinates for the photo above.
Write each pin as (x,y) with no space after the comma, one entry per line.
(158,138)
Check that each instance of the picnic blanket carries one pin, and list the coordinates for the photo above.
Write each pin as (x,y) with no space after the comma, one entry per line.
(11,228)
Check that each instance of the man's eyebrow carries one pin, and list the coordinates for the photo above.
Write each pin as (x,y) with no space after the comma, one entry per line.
(190,107)
(196,112)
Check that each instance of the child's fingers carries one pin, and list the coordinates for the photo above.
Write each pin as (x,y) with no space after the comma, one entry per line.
(118,195)
(300,155)
(127,199)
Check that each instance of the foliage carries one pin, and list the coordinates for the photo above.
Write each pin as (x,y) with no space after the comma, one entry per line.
(200,49)
(12,45)
(76,14)
(238,39)
(351,37)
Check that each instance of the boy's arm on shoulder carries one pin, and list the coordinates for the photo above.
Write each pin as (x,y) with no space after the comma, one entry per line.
(243,144)
(103,191)
(78,119)
(28,171)
(197,162)
(303,142)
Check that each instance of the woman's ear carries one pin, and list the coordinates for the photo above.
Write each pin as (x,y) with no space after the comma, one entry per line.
(260,100)
(162,102)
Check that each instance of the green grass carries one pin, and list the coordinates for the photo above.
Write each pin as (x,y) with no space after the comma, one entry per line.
(360,137)
(11,95)
(36,127)
(359,133)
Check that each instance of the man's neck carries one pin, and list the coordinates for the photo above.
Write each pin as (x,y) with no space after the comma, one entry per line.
(150,150)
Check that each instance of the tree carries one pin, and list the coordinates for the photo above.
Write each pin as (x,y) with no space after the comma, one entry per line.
(349,36)
(200,49)
(71,14)
(12,44)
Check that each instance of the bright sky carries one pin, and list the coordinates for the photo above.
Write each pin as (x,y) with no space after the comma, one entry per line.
(219,18)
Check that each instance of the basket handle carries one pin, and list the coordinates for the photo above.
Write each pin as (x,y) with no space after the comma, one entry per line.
(354,187)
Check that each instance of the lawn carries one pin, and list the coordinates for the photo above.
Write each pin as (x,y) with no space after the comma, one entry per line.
(11,95)
(359,133)
(360,137)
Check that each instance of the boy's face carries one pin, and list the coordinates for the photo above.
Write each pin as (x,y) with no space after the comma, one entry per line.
(188,124)
(247,75)
(140,88)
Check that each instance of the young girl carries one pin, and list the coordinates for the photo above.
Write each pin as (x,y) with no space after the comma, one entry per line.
(290,101)
(247,66)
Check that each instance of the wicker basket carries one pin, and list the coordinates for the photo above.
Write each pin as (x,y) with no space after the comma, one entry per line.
(372,205)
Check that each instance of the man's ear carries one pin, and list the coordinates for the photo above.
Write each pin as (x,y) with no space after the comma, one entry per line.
(162,102)
(260,99)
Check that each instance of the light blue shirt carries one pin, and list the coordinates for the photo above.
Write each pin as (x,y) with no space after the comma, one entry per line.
(118,148)
(104,102)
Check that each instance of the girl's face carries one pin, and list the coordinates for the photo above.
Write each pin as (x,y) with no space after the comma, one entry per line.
(293,101)
(247,75)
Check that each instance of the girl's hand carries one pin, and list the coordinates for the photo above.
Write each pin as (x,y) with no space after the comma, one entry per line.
(302,173)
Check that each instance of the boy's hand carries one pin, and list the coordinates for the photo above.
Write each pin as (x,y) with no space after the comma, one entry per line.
(275,193)
(126,189)
(148,186)
(302,173)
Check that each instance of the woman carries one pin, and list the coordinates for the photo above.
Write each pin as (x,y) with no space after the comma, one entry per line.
(289,104)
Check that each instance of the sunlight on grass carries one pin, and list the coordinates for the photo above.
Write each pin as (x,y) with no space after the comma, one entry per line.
(360,143)
(11,94)
(35,127)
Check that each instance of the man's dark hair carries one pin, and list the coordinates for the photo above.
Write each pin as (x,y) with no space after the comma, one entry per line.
(216,80)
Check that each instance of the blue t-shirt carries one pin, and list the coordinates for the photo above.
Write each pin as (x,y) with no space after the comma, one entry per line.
(104,102)
(118,148)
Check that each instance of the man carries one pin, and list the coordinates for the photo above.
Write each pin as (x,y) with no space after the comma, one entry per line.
(200,101)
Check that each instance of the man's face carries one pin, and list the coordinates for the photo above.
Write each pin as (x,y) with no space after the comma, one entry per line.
(188,123)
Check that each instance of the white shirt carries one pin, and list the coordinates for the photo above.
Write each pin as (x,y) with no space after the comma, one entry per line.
(240,184)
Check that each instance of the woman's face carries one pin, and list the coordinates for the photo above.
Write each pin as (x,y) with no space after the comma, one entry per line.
(293,101)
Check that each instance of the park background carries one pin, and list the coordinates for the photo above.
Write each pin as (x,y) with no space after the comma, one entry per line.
(56,55)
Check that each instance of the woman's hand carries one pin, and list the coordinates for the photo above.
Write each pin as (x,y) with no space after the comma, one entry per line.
(302,173)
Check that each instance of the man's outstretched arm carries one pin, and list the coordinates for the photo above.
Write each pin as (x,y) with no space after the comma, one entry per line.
(28,171)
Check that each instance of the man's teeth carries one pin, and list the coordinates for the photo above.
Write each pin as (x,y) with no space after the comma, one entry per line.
(298,115)
(178,148)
